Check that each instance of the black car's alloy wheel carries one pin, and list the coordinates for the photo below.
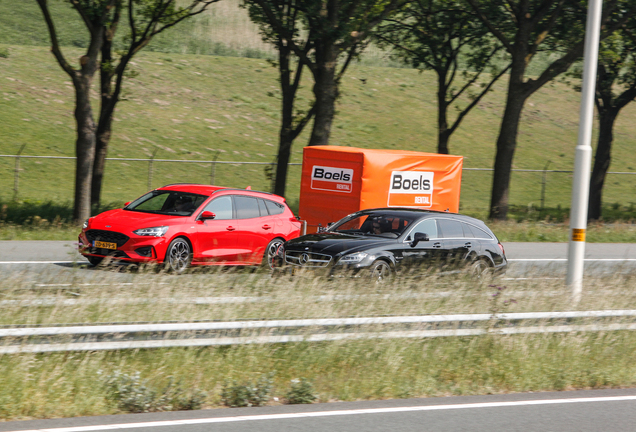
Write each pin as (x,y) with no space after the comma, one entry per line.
(179,255)
(479,269)
(381,271)
(272,257)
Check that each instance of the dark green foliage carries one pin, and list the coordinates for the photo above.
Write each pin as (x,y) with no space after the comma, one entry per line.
(247,394)
(301,392)
(135,395)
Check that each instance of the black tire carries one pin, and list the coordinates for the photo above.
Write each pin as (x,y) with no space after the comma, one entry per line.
(272,257)
(94,260)
(479,269)
(178,255)
(381,271)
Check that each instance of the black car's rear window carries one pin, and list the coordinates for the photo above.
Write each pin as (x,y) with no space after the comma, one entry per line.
(167,202)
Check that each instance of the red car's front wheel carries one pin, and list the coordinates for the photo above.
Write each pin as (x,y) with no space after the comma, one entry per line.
(178,256)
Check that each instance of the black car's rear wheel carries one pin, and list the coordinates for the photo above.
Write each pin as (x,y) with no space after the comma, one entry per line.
(381,271)
(479,269)
(178,256)
(272,257)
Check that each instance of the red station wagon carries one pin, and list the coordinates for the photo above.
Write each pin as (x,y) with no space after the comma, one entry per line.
(190,224)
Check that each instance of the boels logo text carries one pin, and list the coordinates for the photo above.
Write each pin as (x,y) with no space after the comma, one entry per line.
(332,179)
(411,189)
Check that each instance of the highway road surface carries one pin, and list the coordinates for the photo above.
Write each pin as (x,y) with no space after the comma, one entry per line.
(573,411)
(546,258)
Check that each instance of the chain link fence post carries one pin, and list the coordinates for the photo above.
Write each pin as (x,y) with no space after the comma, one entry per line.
(213,167)
(152,158)
(16,176)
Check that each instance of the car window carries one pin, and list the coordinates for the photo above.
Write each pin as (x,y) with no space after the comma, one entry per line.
(428,227)
(262,207)
(478,232)
(468,233)
(274,208)
(221,207)
(168,202)
(246,207)
(150,202)
(450,228)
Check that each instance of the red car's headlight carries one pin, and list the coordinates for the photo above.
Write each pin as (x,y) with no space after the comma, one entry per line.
(153,232)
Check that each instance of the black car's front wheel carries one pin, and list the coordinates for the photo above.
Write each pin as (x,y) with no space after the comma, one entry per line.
(381,271)
(178,256)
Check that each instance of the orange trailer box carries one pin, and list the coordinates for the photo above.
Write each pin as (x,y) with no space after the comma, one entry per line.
(337,181)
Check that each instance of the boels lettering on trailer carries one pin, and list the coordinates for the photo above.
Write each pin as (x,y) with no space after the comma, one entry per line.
(411,189)
(337,181)
(331,179)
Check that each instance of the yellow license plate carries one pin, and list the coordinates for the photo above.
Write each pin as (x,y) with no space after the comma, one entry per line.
(105,245)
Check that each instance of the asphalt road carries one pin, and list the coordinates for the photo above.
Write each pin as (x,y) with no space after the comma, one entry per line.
(549,259)
(575,411)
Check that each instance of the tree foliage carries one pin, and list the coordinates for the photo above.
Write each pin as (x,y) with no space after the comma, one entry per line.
(333,33)
(615,88)
(279,22)
(447,38)
(527,28)
(102,18)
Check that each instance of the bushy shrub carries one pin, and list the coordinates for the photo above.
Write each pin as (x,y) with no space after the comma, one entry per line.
(301,392)
(247,394)
(134,395)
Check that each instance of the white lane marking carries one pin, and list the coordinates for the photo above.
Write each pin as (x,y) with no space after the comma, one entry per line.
(43,262)
(509,260)
(565,259)
(331,414)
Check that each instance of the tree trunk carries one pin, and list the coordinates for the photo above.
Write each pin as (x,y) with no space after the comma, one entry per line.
(602,160)
(287,111)
(84,147)
(443,134)
(325,93)
(101,151)
(506,145)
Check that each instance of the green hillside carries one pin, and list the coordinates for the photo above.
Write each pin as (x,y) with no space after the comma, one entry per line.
(198,107)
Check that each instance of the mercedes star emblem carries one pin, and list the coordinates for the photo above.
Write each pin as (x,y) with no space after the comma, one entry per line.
(304,258)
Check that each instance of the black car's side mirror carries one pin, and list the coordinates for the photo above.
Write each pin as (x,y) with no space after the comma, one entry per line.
(419,237)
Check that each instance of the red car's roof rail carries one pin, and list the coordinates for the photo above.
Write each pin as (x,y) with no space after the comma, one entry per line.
(239,189)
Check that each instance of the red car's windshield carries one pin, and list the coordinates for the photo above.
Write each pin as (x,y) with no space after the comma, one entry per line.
(168,203)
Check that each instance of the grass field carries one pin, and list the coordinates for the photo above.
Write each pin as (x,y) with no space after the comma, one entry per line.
(70,384)
(202,107)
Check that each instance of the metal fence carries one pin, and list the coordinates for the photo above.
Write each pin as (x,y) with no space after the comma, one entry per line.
(533,187)
(197,334)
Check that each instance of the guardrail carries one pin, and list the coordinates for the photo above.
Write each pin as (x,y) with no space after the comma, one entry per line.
(198,334)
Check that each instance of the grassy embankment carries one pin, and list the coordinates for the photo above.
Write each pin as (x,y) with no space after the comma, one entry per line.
(192,106)
(70,384)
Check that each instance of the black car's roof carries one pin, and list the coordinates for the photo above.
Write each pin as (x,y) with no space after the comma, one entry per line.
(410,212)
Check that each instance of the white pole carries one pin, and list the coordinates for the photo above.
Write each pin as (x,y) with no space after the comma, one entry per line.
(583,157)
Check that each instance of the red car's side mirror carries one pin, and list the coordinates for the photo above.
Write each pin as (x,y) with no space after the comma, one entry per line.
(207,215)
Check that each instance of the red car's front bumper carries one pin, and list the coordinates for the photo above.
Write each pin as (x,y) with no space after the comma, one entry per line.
(138,249)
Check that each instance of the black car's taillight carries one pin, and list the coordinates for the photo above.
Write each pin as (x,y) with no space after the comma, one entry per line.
(503,252)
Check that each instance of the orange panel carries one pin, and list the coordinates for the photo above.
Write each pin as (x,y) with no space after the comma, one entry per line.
(337,181)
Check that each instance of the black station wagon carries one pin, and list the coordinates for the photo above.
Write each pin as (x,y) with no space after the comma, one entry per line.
(389,241)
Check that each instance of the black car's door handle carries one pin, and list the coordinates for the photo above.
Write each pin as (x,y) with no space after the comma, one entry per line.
(468,244)
(437,245)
